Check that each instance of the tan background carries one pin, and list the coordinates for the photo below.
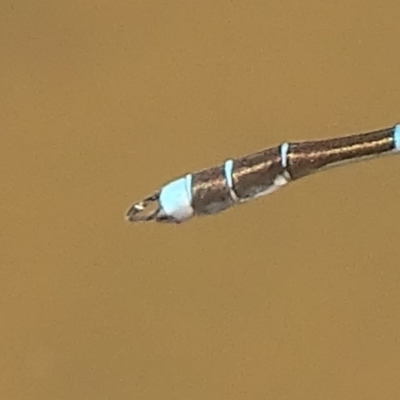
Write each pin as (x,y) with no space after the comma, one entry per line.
(295,296)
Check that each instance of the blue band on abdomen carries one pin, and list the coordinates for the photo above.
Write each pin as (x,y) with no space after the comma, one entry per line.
(396,137)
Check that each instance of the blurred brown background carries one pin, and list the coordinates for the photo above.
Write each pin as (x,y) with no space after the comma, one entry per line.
(294,296)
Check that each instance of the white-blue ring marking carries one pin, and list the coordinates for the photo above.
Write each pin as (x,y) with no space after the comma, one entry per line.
(228,169)
(396,137)
(176,198)
(284,154)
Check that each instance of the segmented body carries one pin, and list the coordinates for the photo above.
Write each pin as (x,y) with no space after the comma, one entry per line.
(239,180)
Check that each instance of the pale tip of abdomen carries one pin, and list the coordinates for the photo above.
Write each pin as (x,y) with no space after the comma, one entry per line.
(145,210)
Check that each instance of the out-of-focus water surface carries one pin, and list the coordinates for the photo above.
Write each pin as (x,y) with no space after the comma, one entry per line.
(293,296)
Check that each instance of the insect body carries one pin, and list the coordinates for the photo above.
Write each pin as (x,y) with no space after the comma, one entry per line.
(236,181)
